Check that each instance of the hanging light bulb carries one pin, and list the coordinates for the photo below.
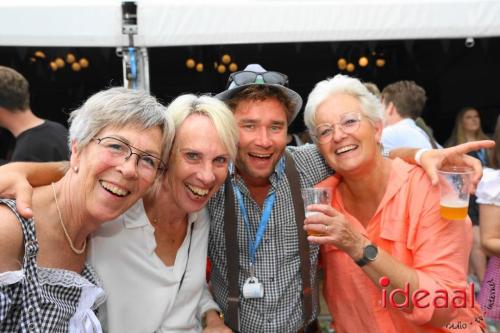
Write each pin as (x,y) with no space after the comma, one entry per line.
(221,69)
(233,67)
(40,54)
(70,58)
(380,62)
(342,63)
(190,63)
(76,67)
(350,67)
(363,61)
(59,62)
(199,67)
(53,66)
(84,62)
(226,59)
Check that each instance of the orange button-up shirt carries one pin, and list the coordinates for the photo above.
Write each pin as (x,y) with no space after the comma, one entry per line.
(407,225)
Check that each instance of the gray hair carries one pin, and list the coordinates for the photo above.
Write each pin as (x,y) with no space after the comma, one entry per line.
(211,107)
(342,84)
(119,107)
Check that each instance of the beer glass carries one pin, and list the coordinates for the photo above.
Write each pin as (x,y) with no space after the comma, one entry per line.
(455,183)
(313,195)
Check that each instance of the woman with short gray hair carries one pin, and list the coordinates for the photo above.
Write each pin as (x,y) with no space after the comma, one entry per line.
(118,140)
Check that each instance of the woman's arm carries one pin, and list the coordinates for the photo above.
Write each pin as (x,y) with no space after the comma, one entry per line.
(435,159)
(490,229)
(19,178)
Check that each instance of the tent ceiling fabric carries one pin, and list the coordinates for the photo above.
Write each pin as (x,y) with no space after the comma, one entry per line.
(178,23)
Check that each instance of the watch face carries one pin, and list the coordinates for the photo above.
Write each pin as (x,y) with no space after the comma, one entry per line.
(371,252)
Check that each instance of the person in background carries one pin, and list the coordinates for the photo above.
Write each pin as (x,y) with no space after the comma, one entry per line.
(403,103)
(118,141)
(383,230)
(488,198)
(468,129)
(36,139)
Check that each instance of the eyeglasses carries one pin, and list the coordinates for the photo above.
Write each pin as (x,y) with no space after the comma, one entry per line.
(117,151)
(246,77)
(349,123)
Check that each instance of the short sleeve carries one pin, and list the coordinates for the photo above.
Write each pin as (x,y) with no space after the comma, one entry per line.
(488,190)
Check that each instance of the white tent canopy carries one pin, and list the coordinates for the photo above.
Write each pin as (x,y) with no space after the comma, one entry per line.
(202,22)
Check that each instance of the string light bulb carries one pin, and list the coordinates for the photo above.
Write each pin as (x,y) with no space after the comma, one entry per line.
(363,61)
(233,67)
(190,63)
(341,64)
(59,62)
(84,63)
(70,58)
(350,67)
(380,62)
(226,59)
(221,69)
(75,66)
(199,67)
(53,66)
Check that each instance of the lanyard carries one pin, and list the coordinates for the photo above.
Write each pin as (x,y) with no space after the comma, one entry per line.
(187,260)
(264,219)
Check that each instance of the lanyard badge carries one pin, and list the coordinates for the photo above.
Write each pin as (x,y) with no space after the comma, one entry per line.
(252,288)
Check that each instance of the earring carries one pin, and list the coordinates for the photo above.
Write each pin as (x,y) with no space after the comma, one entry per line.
(75,169)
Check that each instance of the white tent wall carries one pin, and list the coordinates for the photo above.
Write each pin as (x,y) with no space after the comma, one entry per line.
(176,23)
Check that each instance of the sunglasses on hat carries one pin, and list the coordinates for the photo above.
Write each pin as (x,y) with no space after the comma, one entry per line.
(248,77)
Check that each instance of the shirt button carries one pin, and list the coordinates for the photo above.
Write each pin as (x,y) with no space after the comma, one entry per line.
(267,240)
(30,310)
(31,327)
(269,319)
(271,279)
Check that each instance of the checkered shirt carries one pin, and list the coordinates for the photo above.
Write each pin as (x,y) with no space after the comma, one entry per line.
(30,305)
(277,259)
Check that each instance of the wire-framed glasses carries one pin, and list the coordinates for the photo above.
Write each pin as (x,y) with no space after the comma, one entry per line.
(117,152)
(349,123)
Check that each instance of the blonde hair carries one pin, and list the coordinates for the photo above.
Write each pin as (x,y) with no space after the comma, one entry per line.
(458,134)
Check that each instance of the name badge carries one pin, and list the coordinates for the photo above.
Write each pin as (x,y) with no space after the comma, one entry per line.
(253,288)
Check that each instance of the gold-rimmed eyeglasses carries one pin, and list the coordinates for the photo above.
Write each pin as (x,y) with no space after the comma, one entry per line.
(117,151)
(349,123)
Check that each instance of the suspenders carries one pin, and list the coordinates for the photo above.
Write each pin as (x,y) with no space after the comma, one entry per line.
(232,250)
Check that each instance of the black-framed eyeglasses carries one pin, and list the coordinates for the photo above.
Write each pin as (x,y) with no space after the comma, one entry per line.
(349,123)
(118,151)
(247,77)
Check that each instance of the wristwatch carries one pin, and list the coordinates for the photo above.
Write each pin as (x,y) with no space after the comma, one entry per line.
(370,253)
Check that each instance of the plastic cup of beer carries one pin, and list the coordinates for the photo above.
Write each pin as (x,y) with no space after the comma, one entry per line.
(455,183)
(315,195)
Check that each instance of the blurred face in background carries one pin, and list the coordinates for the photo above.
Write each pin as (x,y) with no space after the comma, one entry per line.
(471,121)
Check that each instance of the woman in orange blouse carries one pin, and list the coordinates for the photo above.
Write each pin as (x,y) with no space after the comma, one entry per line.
(391,263)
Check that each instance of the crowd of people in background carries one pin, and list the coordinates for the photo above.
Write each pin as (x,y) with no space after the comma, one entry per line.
(155,190)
